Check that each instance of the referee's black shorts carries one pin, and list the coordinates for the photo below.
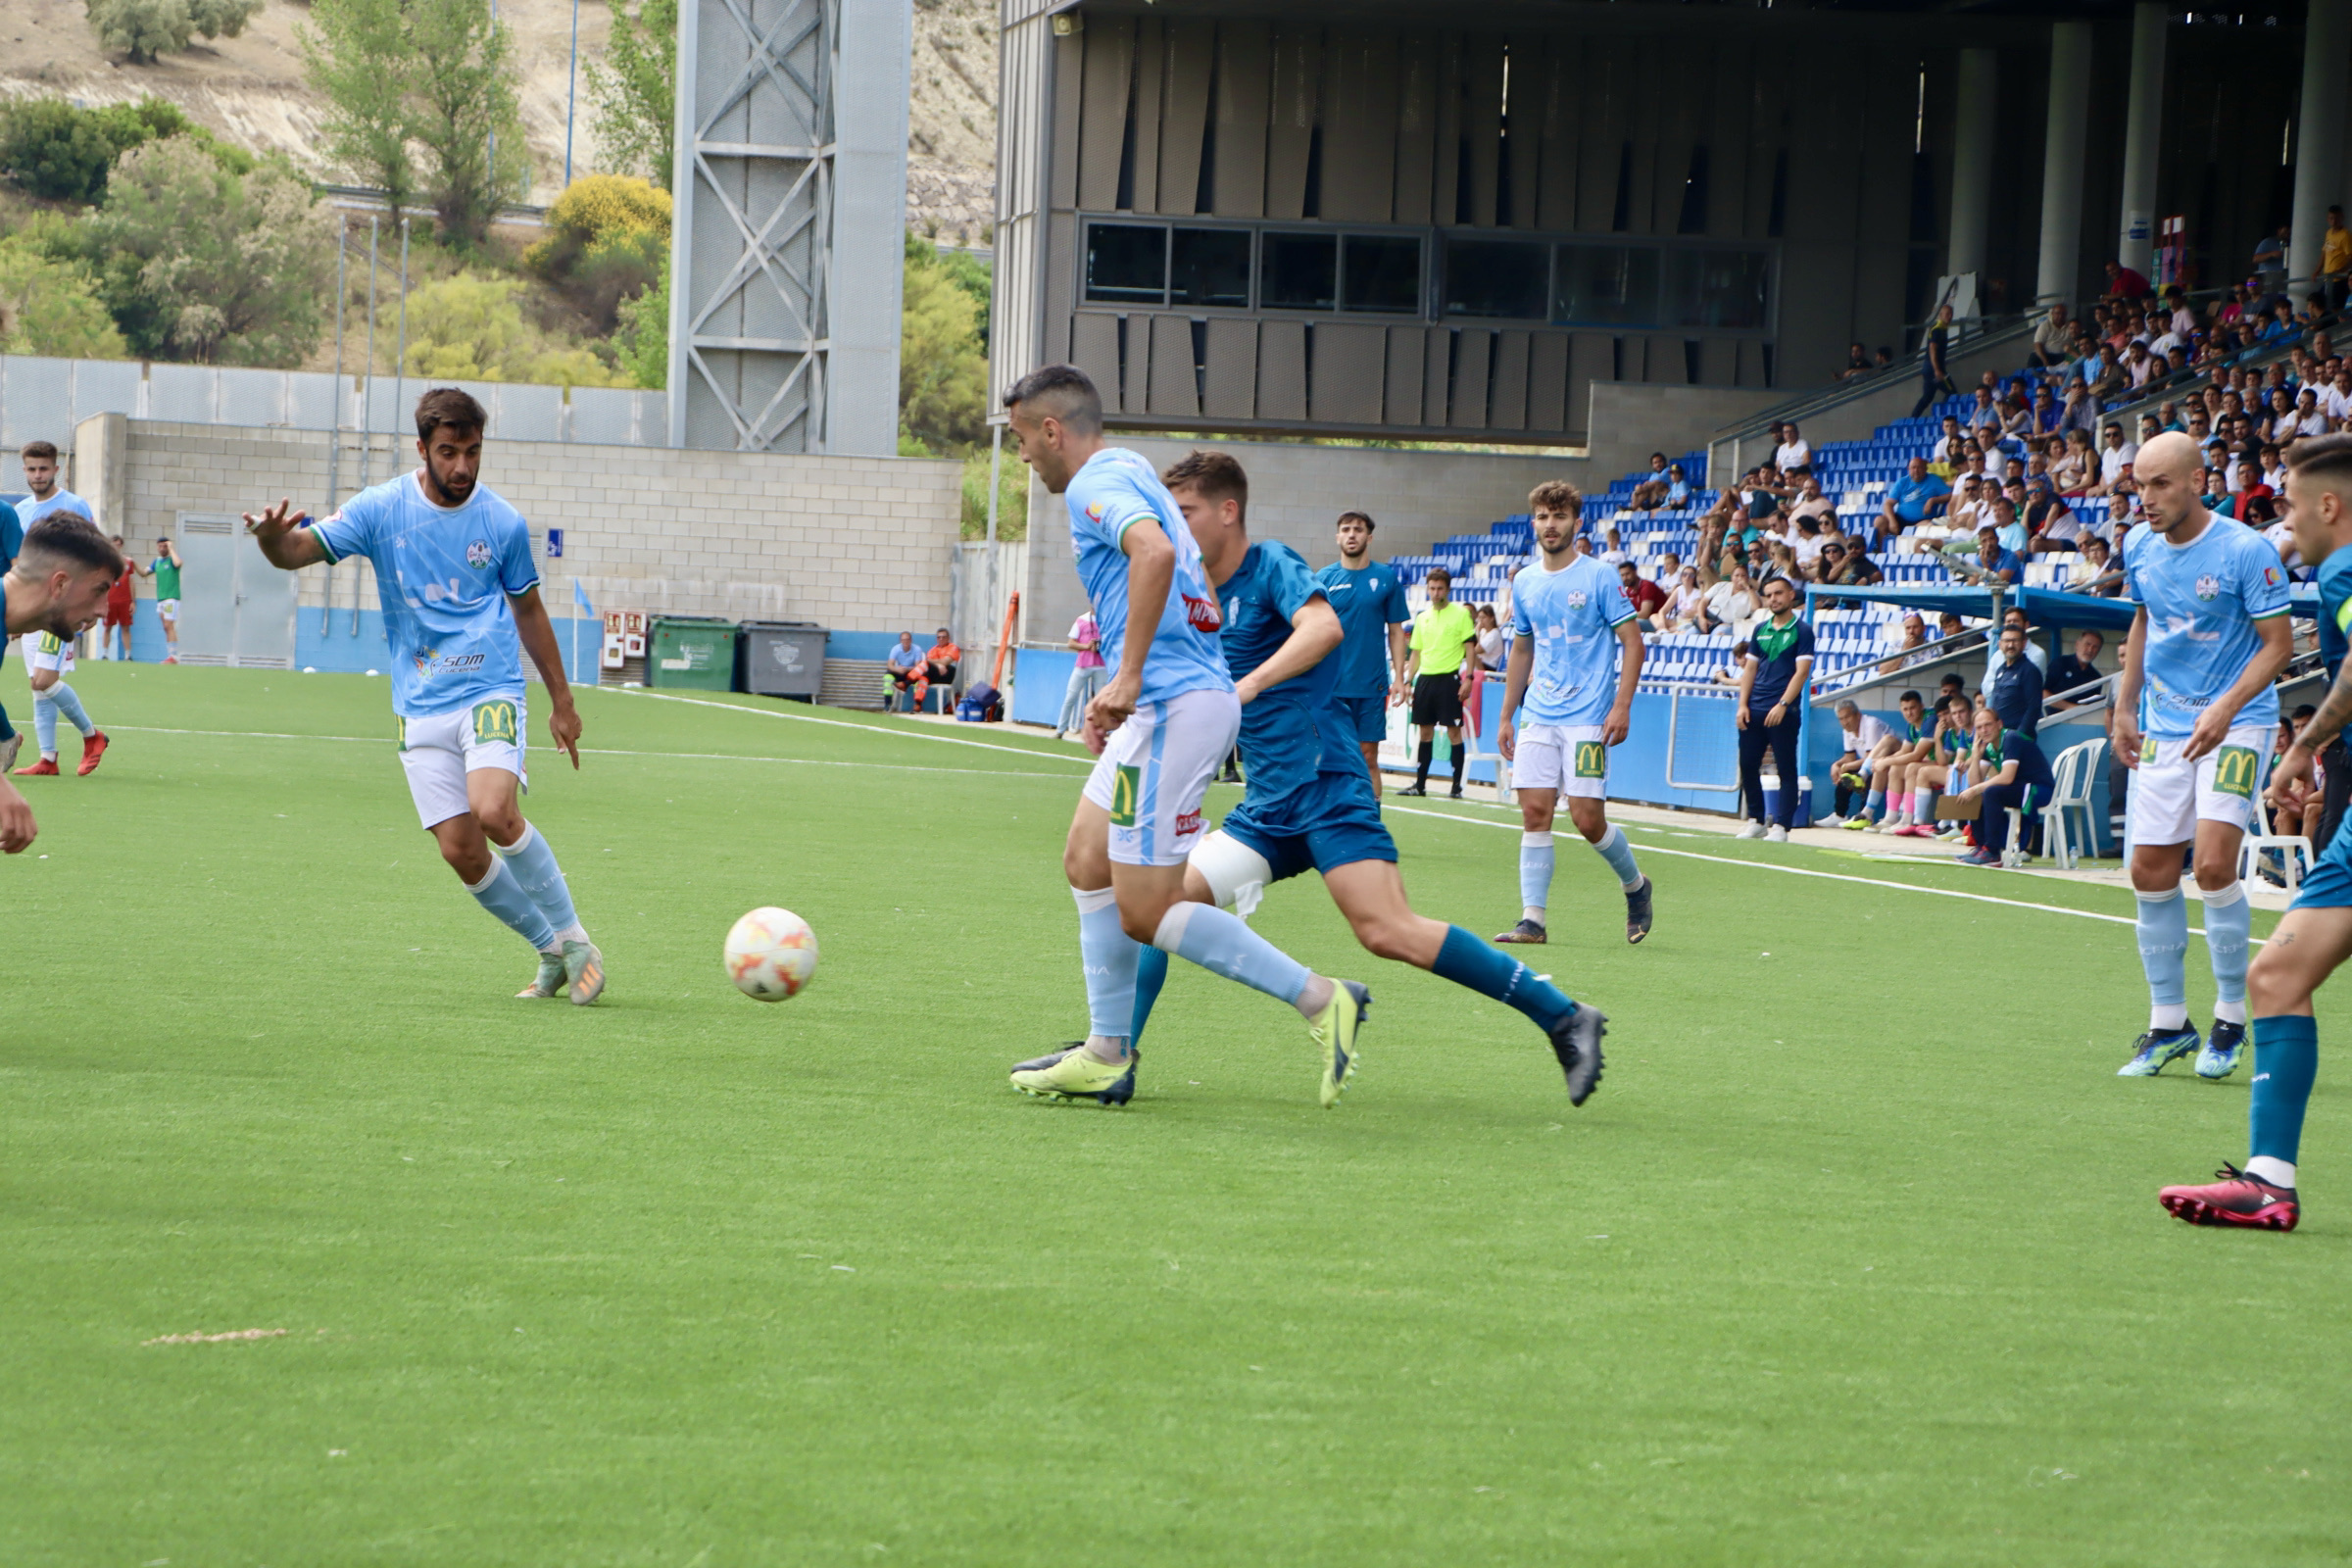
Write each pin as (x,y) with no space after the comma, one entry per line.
(1438,699)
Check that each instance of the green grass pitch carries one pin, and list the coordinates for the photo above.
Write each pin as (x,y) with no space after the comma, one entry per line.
(1855,1258)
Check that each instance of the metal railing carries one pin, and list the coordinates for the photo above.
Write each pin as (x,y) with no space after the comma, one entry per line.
(1968,337)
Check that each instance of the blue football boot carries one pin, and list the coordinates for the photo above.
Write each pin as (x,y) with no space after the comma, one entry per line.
(2224,1049)
(2153,1051)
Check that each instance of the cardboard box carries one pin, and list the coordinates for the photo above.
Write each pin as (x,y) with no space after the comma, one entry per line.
(1953,808)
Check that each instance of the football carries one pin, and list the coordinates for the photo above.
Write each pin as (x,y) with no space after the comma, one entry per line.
(770,954)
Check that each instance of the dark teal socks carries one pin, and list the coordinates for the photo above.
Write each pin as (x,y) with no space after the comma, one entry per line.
(1491,972)
(2286,1058)
(1150,974)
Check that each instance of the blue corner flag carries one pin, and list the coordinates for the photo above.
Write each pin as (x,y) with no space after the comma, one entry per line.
(579,597)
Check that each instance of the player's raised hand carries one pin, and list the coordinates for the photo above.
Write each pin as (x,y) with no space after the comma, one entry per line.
(564,725)
(284,542)
(17,827)
(273,523)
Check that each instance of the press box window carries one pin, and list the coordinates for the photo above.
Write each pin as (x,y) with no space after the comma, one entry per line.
(1499,278)
(1607,285)
(1380,272)
(1126,264)
(1298,272)
(1718,288)
(1210,267)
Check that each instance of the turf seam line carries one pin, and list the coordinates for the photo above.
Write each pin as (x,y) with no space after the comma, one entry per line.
(1827,876)
(842,723)
(608,750)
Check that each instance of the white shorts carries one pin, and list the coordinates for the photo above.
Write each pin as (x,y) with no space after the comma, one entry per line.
(44,652)
(169,609)
(2169,797)
(438,750)
(1572,758)
(1154,771)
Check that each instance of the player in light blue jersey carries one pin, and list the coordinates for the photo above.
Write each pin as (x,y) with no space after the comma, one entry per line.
(1308,806)
(460,604)
(1576,656)
(1162,723)
(2194,714)
(38,461)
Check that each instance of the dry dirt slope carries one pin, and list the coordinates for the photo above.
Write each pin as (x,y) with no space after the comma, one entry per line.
(250,89)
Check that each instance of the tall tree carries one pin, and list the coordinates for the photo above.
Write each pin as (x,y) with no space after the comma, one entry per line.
(635,89)
(435,76)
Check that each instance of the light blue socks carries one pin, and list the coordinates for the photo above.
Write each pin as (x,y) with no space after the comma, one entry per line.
(503,894)
(1620,854)
(46,706)
(1109,955)
(2229,923)
(1222,943)
(534,867)
(2163,932)
(1534,871)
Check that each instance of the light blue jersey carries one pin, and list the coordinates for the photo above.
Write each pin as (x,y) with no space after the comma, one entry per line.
(1115,490)
(1573,616)
(2202,601)
(443,575)
(29,512)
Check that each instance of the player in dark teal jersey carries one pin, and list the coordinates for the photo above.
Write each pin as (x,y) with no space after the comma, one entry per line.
(2315,937)
(1370,600)
(1308,806)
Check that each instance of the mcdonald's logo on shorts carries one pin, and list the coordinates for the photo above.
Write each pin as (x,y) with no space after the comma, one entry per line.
(2234,770)
(1126,785)
(1592,759)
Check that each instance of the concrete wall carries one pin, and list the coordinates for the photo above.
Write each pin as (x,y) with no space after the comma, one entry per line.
(856,544)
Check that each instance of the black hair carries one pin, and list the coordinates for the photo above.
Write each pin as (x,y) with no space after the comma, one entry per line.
(65,538)
(1067,393)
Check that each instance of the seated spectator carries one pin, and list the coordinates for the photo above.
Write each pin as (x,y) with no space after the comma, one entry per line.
(1686,606)
(1947,625)
(1845,566)
(1650,494)
(2072,469)
(1987,414)
(2046,509)
(1804,542)
(2114,458)
(1864,736)
(1992,560)
(1811,503)
(1678,487)
(2013,689)
(2096,574)
(1732,602)
(1941,764)
(1492,649)
(906,666)
(1857,363)
(2046,412)
(1613,554)
(2051,335)
(1883,360)
(1945,459)
(1912,650)
(2105,379)
(1648,599)
(2123,283)
(1911,501)
(2011,773)
(940,661)
(2080,412)
(2077,670)
(2001,512)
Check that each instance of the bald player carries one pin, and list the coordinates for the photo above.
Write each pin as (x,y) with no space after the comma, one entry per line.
(2195,714)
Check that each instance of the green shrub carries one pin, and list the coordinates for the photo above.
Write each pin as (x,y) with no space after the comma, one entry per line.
(61,153)
(49,307)
(608,238)
(146,29)
(470,329)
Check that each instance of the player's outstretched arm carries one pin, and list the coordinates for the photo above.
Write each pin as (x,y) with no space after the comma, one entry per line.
(539,641)
(284,539)
(17,827)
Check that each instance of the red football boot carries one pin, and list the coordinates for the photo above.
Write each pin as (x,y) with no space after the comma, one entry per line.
(2237,1199)
(94,747)
(46,767)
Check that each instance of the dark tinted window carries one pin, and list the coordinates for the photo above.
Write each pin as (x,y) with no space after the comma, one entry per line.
(1607,285)
(1126,264)
(1298,272)
(1211,266)
(1382,272)
(1494,277)
(1719,289)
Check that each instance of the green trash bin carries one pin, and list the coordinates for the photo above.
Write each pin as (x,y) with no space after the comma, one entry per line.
(693,654)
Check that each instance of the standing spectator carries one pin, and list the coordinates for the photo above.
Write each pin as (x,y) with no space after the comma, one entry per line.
(2270,261)
(165,570)
(1772,688)
(1086,675)
(2123,283)
(2335,254)
(2012,774)
(1792,457)
(1934,363)
(1443,639)
(114,635)
(905,664)
(2075,670)
(2014,691)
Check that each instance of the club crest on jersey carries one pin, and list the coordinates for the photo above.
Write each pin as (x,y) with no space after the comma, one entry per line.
(1201,613)
(477,553)
(2209,586)
(1577,599)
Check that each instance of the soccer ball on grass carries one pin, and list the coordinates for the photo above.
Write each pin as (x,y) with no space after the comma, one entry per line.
(770,954)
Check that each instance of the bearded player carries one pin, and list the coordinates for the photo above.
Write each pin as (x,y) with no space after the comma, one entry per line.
(1164,721)
(461,602)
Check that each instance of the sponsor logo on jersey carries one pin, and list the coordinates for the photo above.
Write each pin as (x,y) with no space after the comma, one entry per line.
(2209,586)
(2270,576)
(477,553)
(1188,824)
(1201,613)
(1094,512)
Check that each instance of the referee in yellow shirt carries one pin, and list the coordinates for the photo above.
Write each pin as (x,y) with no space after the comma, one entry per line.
(1443,636)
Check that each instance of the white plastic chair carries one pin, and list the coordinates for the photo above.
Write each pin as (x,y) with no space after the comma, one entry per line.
(2076,768)
(2249,851)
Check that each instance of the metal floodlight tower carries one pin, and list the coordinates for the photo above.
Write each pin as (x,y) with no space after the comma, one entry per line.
(791,208)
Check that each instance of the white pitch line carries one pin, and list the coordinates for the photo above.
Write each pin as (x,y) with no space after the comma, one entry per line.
(1827,876)
(607,751)
(842,723)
